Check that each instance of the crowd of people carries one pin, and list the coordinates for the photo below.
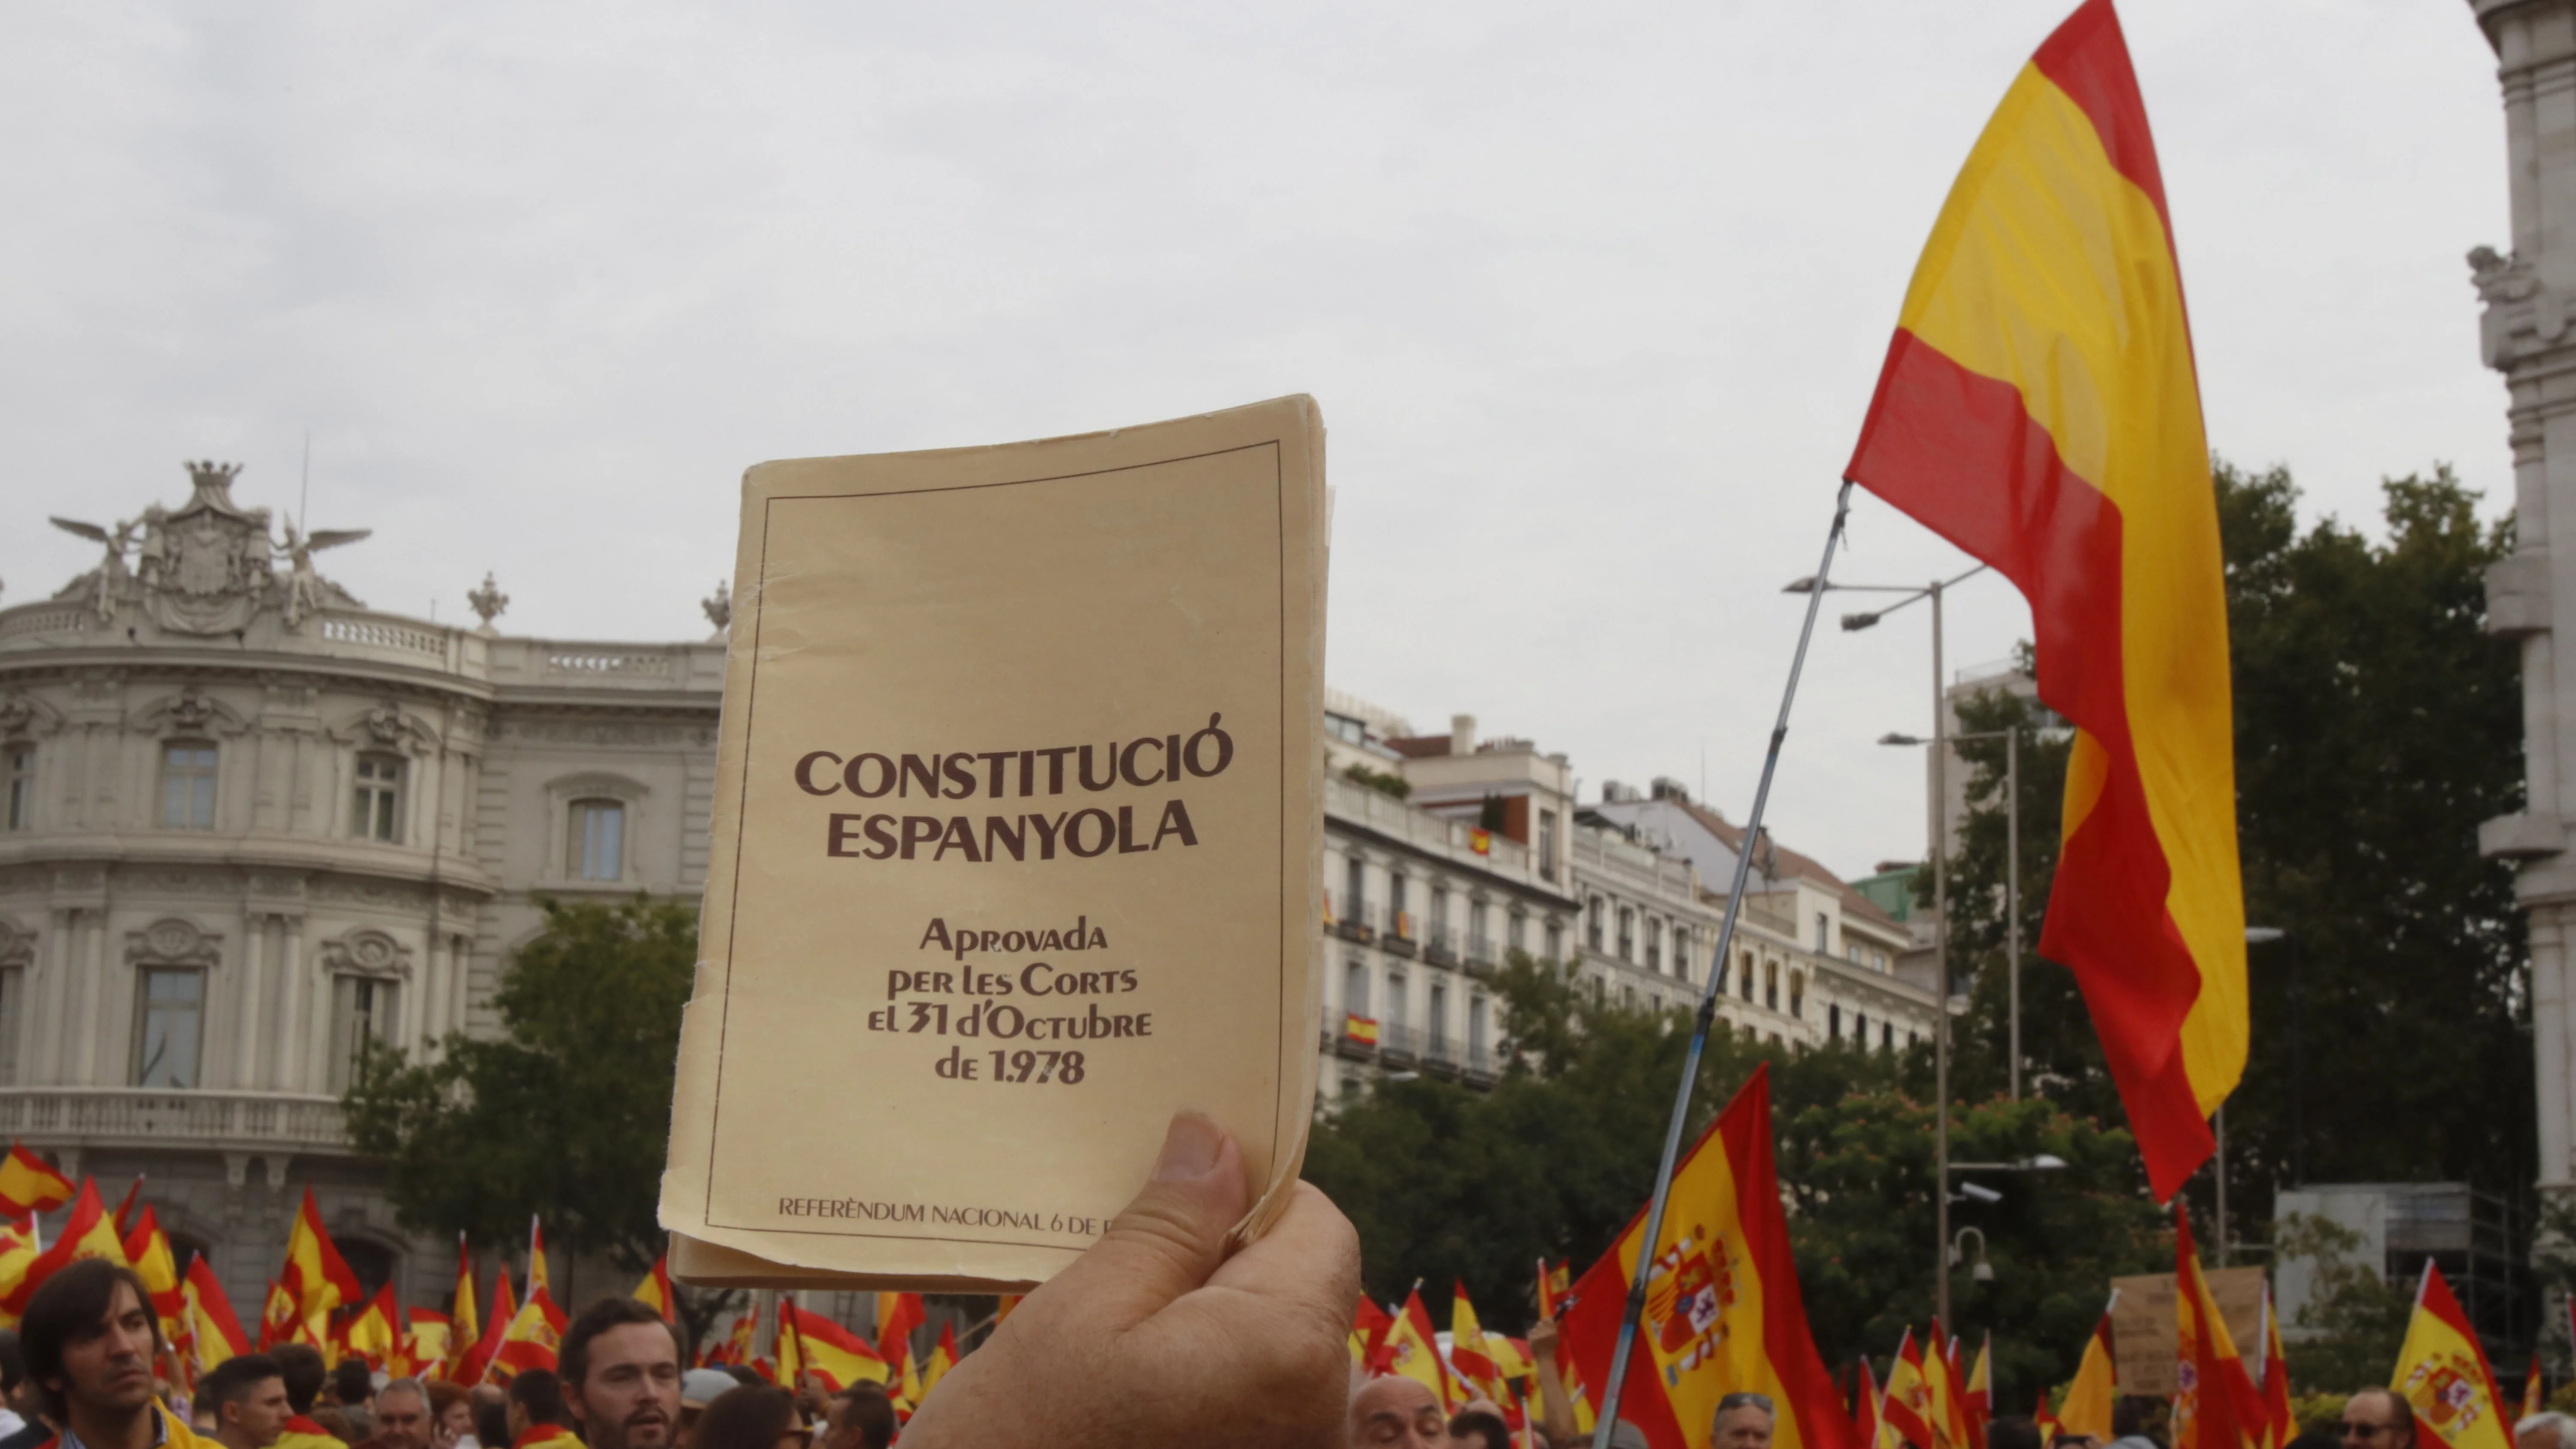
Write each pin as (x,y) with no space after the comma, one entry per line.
(81,1372)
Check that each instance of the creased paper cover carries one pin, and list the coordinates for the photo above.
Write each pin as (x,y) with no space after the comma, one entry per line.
(1016,832)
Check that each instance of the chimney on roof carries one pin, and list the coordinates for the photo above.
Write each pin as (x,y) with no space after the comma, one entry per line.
(1668,788)
(1462,734)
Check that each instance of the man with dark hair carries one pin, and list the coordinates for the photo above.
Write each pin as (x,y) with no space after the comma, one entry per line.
(91,1340)
(2013,1431)
(246,1396)
(538,1414)
(299,1367)
(863,1419)
(621,1375)
(353,1393)
(1479,1426)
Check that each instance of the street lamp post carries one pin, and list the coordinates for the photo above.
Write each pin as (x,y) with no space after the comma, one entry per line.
(2012,875)
(1853,623)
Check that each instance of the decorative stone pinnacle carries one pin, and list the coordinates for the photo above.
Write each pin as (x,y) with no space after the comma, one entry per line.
(719,605)
(488,601)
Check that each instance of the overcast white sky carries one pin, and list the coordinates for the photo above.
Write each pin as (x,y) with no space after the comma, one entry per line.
(1592,297)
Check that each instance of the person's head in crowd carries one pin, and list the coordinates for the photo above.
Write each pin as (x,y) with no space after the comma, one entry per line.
(2080,1441)
(334,1423)
(1396,1413)
(491,1415)
(536,1397)
(699,1387)
(2328,1435)
(13,1374)
(750,1417)
(91,1339)
(450,1411)
(245,1395)
(620,1363)
(2377,1419)
(745,1375)
(402,1415)
(1744,1422)
(2546,1430)
(1478,1426)
(353,1387)
(862,1418)
(300,1364)
(2129,1417)
(2013,1431)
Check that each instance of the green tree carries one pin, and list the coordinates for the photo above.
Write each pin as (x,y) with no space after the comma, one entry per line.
(1447,1183)
(2354,1321)
(567,1112)
(2376,725)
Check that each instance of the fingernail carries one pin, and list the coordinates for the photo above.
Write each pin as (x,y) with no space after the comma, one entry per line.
(1189,1148)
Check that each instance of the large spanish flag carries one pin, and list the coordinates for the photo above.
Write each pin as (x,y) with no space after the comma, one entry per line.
(87,1233)
(2039,408)
(2442,1373)
(1722,1307)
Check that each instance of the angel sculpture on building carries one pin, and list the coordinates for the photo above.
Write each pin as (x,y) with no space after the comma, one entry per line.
(304,587)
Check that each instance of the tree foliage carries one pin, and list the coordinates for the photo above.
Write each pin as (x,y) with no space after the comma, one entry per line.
(1444,1182)
(2376,725)
(567,1112)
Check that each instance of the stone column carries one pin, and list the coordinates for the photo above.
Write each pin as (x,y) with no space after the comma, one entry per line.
(285,1061)
(2525,333)
(93,977)
(264,930)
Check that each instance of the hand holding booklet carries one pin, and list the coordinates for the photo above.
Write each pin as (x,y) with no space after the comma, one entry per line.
(1016,833)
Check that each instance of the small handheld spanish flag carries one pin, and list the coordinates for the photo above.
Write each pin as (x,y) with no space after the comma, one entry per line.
(1362,1029)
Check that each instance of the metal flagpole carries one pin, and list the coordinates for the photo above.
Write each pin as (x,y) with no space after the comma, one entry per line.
(1609,1416)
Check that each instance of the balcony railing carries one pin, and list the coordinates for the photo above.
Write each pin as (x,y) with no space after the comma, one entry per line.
(137,1116)
(1399,936)
(1356,923)
(1397,1045)
(1442,948)
(1480,956)
(1480,1068)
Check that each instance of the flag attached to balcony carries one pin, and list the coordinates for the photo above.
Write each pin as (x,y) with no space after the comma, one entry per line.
(27,1185)
(1723,1313)
(1361,1029)
(2040,409)
(1480,841)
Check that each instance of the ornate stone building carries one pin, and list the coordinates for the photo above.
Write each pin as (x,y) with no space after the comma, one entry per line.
(247,825)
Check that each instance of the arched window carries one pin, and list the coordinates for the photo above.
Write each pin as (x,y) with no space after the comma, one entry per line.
(1771,984)
(1592,923)
(1744,977)
(1834,1022)
(1860,1027)
(375,800)
(1798,994)
(1627,933)
(595,846)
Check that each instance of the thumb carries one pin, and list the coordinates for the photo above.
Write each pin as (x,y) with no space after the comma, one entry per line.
(1169,1238)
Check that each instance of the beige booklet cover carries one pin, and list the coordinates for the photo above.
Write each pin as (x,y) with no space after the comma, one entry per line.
(1015,850)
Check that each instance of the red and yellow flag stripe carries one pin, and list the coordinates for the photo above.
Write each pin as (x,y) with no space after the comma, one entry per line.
(2039,407)
(1723,1311)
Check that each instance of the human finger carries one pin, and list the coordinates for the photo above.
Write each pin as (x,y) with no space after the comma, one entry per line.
(1165,1242)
